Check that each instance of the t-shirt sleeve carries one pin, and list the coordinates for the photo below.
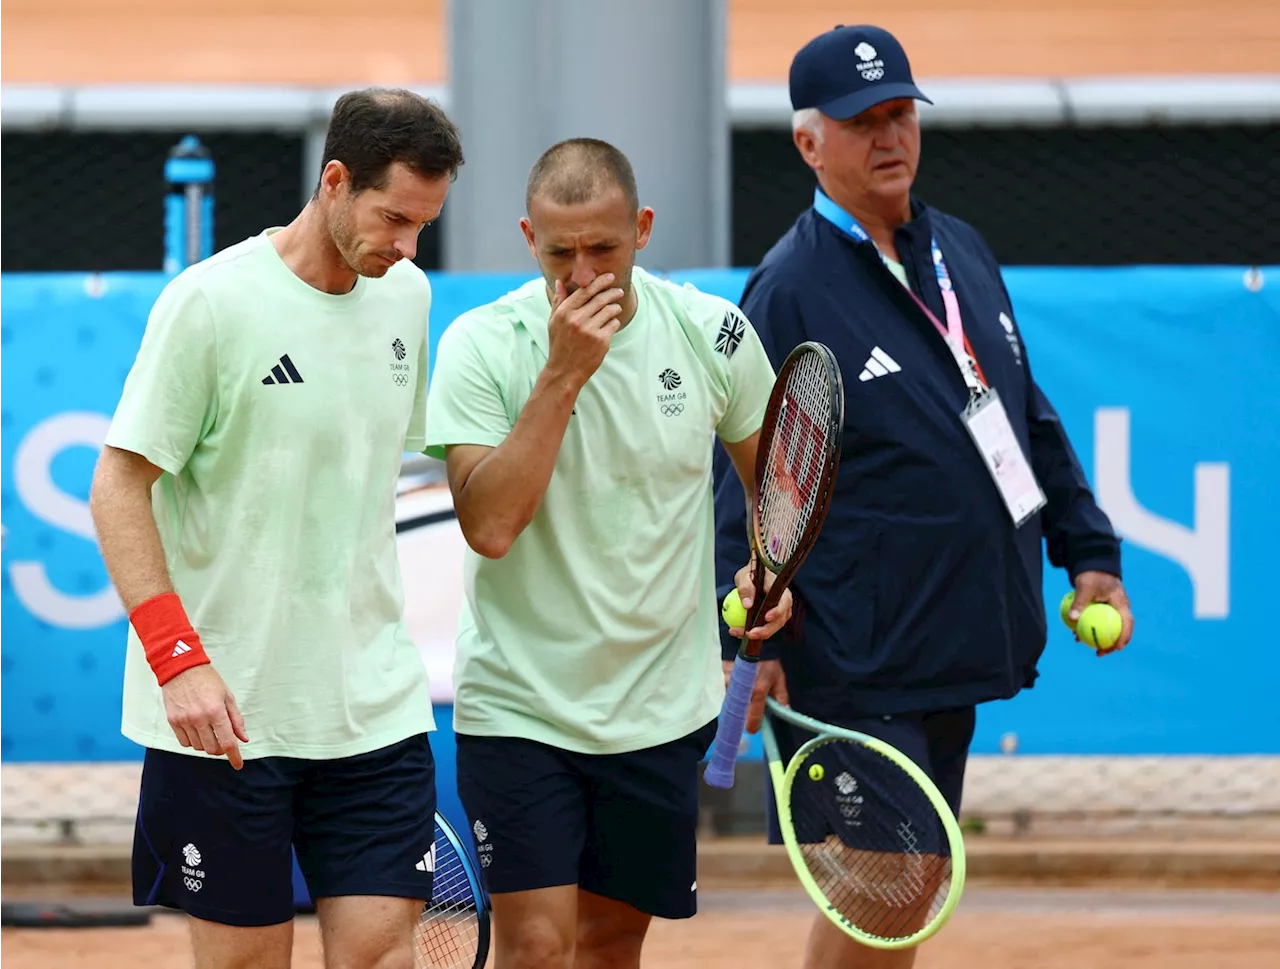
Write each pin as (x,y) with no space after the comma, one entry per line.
(750,377)
(170,396)
(466,400)
(415,438)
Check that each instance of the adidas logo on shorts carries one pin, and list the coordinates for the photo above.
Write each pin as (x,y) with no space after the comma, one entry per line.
(428,862)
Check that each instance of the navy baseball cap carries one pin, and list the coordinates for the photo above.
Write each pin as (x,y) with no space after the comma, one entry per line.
(849,69)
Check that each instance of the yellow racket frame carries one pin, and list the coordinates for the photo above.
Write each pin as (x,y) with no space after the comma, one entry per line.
(783,779)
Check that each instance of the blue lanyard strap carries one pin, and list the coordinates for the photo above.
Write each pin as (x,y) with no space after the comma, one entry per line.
(847,224)
(953,331)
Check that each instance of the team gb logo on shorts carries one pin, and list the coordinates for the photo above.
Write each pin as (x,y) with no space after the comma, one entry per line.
(192,875)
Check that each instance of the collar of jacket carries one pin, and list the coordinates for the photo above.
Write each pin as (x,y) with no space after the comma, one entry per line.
(912,241)
(913,244)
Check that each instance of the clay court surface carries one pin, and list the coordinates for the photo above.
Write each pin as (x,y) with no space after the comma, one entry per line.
(995,928)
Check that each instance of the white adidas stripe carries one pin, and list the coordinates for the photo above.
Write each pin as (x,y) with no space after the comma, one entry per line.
(890,364)
(879,364)
(180,649)
(428,862)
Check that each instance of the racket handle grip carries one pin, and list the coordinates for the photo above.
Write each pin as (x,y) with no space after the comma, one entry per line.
(733,720)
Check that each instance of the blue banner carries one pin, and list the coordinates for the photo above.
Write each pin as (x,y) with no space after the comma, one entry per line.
(1167,379)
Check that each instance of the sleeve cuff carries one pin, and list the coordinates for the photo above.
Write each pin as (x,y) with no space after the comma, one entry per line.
(1108,563)
(743,430)
(159,457)
(437,443)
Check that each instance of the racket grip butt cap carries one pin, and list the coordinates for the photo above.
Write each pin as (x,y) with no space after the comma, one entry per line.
(733,720)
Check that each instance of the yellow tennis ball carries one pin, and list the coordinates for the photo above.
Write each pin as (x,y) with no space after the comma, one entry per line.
(816,772)
(1064,610)
(733,611)
(1099,625)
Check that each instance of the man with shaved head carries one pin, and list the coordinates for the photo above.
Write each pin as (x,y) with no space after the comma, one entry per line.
(576,171)
(577,416)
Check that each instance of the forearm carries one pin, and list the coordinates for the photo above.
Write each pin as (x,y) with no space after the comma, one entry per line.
(503,491)
(127,535)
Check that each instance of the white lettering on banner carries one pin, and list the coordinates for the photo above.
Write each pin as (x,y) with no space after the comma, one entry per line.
(1202,551)
(32,465)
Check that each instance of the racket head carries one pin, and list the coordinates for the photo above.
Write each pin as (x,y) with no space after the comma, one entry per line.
(869,835)
(453,931)
(796,465)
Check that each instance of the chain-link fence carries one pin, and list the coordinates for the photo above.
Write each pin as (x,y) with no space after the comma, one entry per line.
(94,200)
(1059,196)
(1192,194)
(1077,797)
(1053,796)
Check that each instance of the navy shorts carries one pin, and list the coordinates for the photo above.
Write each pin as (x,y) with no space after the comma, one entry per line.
(619,825)
(215,842)
(938,743)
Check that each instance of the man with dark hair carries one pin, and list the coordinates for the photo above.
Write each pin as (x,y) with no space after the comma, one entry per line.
(576,415)
(370,129)
(244,504)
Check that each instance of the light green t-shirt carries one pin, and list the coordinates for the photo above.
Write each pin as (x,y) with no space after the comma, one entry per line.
(279,415)
(597,631)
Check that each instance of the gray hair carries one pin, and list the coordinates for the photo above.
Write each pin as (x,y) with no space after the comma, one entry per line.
(808,119)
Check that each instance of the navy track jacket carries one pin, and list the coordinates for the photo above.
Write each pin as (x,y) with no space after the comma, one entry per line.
(920,594)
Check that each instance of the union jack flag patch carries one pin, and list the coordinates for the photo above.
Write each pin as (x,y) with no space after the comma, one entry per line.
(731,333)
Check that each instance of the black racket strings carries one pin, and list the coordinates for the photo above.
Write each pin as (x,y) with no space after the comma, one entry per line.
(448,933)
(871,838)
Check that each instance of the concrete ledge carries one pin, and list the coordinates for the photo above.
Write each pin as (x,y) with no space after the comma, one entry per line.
(740,862)
(728,862)
(1233,864)
(42,864)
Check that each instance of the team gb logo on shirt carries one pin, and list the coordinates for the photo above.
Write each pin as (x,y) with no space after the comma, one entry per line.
(671,404)
(400,371)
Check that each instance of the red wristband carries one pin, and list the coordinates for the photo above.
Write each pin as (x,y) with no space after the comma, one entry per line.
(170,642)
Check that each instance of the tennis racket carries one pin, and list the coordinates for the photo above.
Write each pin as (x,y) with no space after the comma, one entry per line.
(871,838)
(795,472)
(453,930)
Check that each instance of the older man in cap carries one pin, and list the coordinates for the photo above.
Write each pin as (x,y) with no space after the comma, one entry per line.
(923,596)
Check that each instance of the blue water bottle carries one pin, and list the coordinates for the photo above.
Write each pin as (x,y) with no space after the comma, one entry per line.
(188,205)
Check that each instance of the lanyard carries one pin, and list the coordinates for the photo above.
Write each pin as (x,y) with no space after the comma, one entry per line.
(953,331)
